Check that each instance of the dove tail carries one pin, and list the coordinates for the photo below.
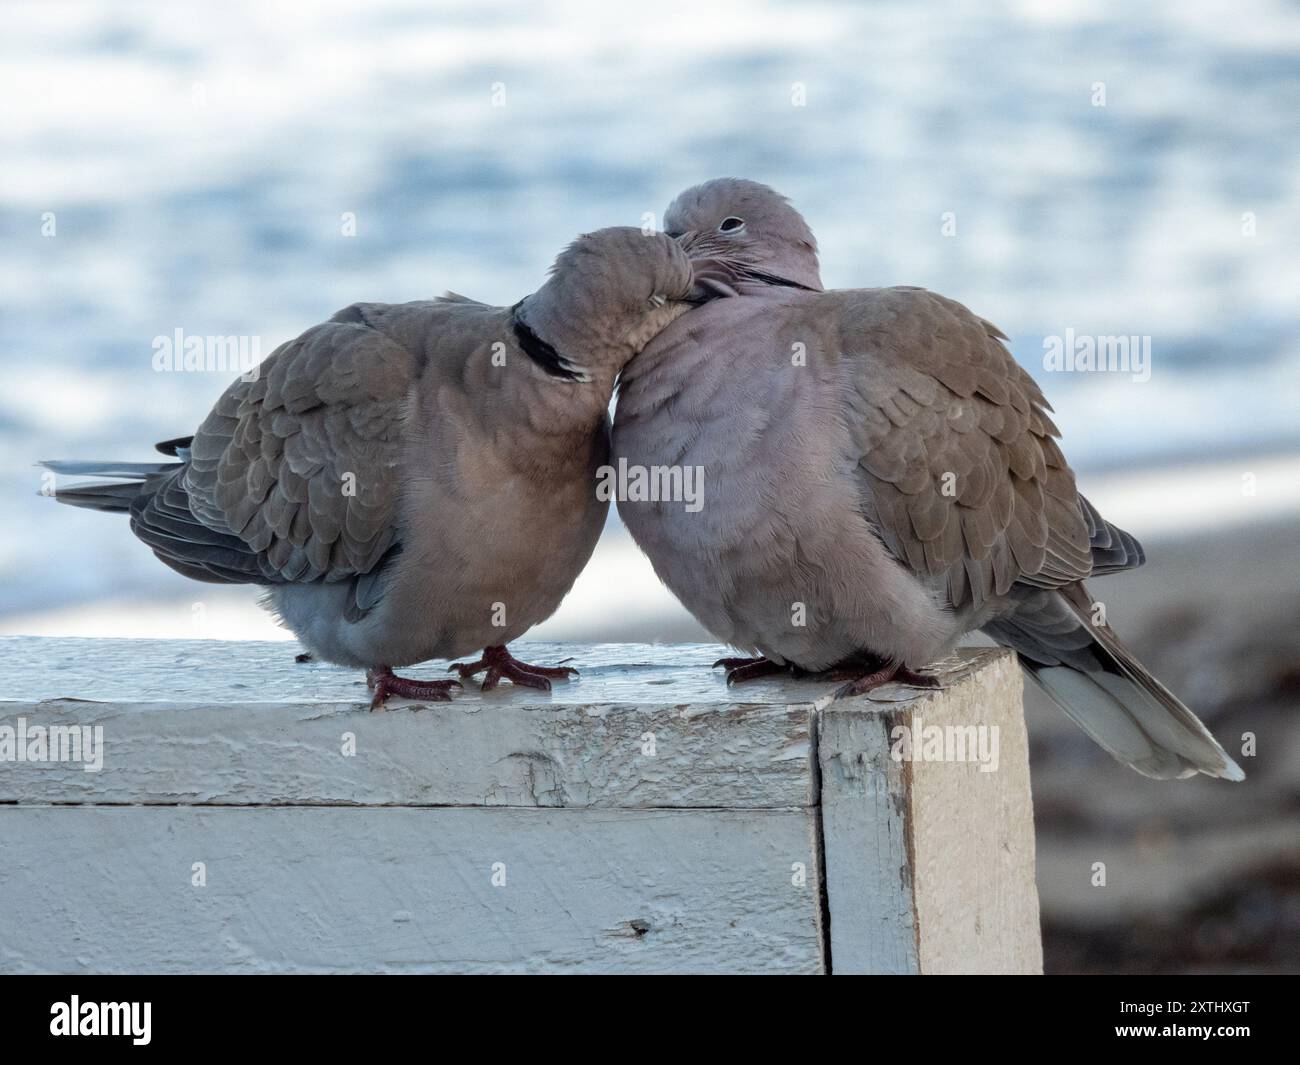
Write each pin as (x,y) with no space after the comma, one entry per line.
(1117,701)
(115,496)
(1084,667)
(1135,718)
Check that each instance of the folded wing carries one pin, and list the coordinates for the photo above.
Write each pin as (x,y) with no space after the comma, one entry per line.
(294,476)
(957,455)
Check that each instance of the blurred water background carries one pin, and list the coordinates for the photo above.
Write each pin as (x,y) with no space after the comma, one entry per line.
(1110,168)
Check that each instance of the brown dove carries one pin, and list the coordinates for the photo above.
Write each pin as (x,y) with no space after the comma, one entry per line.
(414,481)
(880,478)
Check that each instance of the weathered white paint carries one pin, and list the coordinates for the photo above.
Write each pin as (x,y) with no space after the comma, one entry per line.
(687,825)
(185,673)
(864,825)
(930,864)
(973,838)
(297,889)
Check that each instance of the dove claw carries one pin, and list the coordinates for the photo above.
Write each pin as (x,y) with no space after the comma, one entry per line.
(889,673)
(740,670)
(501,664)
(385,683)
(916,680)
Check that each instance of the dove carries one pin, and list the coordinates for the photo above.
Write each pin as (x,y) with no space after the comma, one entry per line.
(414,481)
(880,478)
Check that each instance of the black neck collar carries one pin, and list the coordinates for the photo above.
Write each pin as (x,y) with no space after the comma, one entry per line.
(537,349)
(749,274)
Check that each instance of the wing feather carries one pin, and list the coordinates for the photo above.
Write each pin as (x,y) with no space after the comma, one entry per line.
(957,454)
(294,476)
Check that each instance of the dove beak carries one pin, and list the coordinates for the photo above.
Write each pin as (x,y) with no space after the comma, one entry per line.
(711,278)
(728,271)
(712,275)
(686,241)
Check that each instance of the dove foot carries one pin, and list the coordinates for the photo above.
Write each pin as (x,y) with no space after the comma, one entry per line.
(890,673)
(736,663)
(740,670)
(915,679)
(384,682)
(500,664)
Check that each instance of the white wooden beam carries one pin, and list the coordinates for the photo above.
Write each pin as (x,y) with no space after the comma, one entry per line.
(644,817)
(930,860)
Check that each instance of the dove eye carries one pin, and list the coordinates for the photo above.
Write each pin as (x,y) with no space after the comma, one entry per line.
(731,224)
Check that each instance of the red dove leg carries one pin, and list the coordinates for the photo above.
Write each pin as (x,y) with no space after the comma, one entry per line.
(740,670)
(733,663)
(916,680)
(891,673)
(500,663)
(384,682)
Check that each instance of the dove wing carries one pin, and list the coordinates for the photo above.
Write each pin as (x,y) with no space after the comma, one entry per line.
(957,455)
(293,476)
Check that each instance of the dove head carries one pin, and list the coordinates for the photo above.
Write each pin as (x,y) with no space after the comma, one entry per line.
(609,294)
(749,227)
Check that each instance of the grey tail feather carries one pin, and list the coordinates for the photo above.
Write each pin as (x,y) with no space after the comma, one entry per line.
(1128,711)
(104,468)
(115,496)
(177,447)
(1113,549)
(111,497)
